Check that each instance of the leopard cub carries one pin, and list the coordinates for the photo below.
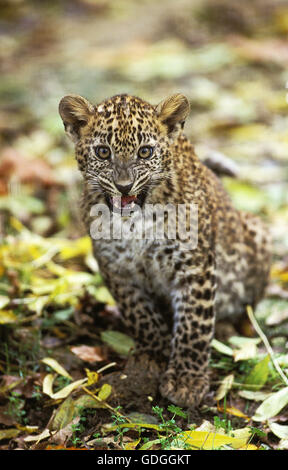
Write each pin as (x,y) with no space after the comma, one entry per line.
(130,154)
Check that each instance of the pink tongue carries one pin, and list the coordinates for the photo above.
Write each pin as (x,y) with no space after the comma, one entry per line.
(126,200)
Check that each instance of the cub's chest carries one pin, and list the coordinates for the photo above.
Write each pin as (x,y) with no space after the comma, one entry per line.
(136,260)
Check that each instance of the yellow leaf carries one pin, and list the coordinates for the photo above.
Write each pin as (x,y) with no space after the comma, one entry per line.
(86,401)
(249,447)
(29,429)
(91,376)
(47,384)
(64,392)
(103,295)
(49,361)
(132,445)
(64,415)
(8,433)
(278,273)
(7,316)
(104,392)
(17,225)
(81,246)
(249,132)
(112,427)
(232,411)
(209,440)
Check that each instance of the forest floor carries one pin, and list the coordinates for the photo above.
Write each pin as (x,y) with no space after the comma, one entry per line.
(68,379)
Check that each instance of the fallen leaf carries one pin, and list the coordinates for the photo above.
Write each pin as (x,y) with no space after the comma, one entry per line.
(209,441)
(247,351)
(92,377)
(49,361)
(232,411)
(8,433)
(62,436)
(120,342)
(39,437)
(279,430)
(86,401)
(64,415)
(4,300)
(7,316)
(255,396)
(88,353)
(272,405)
(225,386)
(64,392)
(221,347)
(283,444)
(104,392)
(132,445)
(58,447)
(149,444)
(258,375)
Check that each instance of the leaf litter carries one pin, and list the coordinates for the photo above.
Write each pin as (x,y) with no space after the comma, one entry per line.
(68,376)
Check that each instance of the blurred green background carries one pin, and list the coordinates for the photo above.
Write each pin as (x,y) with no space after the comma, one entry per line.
(229,58)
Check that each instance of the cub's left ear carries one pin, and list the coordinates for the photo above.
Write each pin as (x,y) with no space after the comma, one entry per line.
(75,112)
(173,112)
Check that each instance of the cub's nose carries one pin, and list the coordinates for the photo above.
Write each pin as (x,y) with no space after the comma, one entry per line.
(124,188)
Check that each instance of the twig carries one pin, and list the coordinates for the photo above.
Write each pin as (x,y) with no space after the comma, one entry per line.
(266,343)
(111,364)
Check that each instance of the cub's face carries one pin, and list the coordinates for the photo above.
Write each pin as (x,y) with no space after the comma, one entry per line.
(123,144)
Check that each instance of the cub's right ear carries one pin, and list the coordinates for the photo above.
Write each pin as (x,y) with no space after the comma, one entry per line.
(75,112)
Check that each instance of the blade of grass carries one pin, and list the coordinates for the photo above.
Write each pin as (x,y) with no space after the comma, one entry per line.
(266,343)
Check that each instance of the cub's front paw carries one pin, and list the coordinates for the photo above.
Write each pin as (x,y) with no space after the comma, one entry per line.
(185,390)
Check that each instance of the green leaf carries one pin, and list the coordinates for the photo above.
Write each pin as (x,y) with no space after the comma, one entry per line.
(246,196)
(86,401)
(258,375)
(103,295)
(149,444)
(136,417)
(176,410)
(120,342)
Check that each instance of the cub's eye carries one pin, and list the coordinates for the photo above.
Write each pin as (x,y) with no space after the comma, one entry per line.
(103,152)
(145,152)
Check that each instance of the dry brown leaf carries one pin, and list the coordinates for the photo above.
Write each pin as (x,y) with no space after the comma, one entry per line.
(88,353)
(15,164)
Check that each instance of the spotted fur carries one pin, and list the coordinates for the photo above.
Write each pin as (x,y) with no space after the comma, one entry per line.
(169,296)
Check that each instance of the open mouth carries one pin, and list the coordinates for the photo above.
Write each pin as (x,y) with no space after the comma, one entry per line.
(125,204)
